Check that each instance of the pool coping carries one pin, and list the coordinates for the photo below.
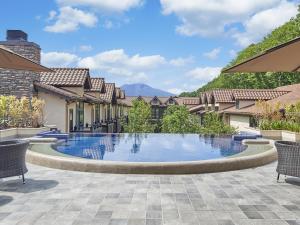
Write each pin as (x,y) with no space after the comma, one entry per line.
(183,167)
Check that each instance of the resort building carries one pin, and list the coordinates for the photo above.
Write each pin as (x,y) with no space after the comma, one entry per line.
(73,100)
(159,104)
(238,106)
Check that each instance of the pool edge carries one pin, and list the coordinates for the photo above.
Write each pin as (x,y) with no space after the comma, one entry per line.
(186,167)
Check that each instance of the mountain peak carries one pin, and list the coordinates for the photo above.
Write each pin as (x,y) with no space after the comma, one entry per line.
(144,90)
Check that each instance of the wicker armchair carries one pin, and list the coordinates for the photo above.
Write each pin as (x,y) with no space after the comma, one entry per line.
(288,158)
(12,158)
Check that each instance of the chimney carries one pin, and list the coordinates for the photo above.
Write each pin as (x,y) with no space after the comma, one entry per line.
(18,82)
(16,35)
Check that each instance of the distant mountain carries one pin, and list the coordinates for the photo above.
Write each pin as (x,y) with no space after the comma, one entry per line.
(144,90)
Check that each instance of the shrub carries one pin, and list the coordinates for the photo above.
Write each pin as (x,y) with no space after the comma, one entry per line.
(279,117)
(15,112)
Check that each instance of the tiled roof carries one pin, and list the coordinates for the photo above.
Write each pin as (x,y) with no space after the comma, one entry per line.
(109,91)
(58,91)
(65,77)
(191,101)
(257,94)
(171,98)
(187,101)
(97,84)
(223,96)
(291,95)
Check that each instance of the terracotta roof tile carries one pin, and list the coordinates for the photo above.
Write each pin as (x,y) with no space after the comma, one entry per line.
(191,101)
(109,91)
(97,84)
(65,77)
(257,94)
(223,96)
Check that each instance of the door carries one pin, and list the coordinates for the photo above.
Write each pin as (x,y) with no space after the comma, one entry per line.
(71,120)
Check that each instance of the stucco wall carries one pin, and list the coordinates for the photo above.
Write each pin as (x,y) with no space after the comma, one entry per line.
(88,113)
(225,105)
(54,110)
(77,90)
(239,121)
(245,103)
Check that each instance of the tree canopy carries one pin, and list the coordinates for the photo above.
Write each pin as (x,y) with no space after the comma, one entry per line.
(282,34)
(177,119)
(139,117)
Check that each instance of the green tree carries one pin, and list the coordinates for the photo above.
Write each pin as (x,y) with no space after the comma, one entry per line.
(282,34)
(213,124)
(139,118)
(177,119)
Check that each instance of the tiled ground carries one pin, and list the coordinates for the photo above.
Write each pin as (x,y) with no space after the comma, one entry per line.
(62,197)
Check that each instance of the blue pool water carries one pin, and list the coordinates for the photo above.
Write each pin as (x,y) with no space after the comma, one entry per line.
(149,147)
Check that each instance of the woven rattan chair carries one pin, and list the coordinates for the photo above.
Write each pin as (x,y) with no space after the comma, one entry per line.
(288,158)
(12,158)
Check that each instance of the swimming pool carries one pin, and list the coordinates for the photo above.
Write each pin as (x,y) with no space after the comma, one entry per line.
(149,147)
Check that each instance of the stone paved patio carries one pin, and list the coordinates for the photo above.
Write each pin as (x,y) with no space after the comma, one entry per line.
(63,197)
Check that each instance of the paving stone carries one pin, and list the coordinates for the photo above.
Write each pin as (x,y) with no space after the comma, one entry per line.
(253,215)
(246,197)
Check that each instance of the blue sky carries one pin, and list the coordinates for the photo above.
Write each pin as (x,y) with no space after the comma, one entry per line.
(173,45)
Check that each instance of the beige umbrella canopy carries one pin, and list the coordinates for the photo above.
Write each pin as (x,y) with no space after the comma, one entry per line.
(282,58)
(12,60)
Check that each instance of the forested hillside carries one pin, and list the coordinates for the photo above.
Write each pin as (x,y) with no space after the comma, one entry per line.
(286,32)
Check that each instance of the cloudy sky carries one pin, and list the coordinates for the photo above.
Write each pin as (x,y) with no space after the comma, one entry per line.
(173,45)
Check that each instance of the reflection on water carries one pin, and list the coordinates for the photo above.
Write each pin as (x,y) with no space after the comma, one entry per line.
(149,147)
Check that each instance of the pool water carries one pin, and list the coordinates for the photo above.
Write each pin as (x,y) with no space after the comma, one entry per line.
(149,147)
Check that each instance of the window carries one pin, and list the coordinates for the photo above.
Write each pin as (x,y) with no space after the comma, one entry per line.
(157,114)
(153,110)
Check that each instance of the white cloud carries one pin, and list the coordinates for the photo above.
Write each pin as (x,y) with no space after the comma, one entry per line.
(218,17)
(213,54)
(204,74)
(104,5)
(116,62)
(119,59)
(181,61)
(52,15)
(85,48)
(264,22)
(69,19)
(175,91)
(58,59)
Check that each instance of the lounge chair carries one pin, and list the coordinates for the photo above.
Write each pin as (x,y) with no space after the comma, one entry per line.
(12,158)
(288,158)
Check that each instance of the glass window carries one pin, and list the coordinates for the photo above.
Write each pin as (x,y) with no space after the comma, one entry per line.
(80,114)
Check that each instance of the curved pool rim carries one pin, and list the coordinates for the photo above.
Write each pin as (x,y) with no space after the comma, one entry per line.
(182,167)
